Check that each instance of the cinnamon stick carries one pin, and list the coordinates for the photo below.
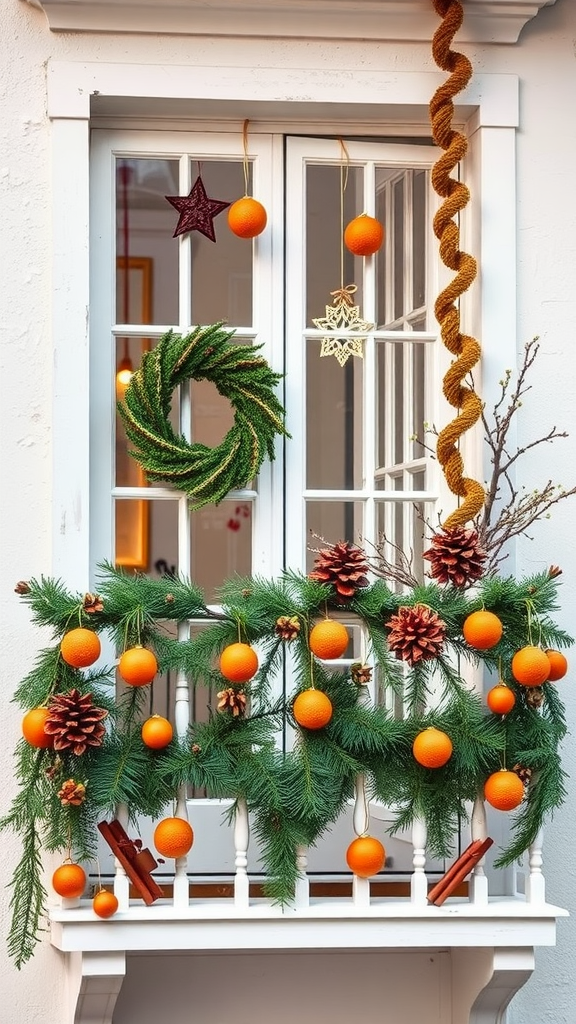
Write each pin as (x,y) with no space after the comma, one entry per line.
(137,863)
(466,866)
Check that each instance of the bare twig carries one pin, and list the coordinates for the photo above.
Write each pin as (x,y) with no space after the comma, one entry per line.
(398,568)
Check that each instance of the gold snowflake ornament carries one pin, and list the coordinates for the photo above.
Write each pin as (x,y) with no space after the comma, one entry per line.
(343,315)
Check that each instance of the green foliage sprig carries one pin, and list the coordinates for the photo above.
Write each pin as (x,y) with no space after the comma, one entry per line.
(293,796)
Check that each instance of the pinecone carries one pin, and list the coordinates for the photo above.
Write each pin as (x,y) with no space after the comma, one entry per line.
(523,773)
(534,696)
(456,556)
(287,627)
(92,603)
(21,588)
(75,722)
(361,674)
(416,634)
(232,700)
(72,793)
(344,566)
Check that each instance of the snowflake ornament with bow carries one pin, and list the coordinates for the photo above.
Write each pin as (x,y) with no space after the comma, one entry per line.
(343,316)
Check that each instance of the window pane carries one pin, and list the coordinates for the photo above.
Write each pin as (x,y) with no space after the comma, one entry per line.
(398,375)
(399,255)
(332,521)
(334,410)
(381,303)
(148,293)
(221,272)
(418,409)
(324,245)
(381,404)
(418,239)
(221,539)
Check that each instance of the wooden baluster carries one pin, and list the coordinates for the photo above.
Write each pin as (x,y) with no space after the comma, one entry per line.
(535,882)
(241,843)
(478,882)
(121,880)
(361,822)
(302,889)
(418,880)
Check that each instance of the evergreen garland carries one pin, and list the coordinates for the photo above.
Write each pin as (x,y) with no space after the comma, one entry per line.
(240,375)
(293,796)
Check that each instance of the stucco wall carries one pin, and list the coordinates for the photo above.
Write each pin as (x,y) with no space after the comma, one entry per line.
(545,61)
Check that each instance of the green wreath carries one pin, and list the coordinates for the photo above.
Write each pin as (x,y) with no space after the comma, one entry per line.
(241,376)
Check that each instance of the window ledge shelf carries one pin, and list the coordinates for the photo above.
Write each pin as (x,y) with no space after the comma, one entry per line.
(486,21)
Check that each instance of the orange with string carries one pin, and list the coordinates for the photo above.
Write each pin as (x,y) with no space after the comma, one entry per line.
(247,217)
(33,728)
(482,630)
(69,880)
(558,665)
(80,647)
(157,732)
(104,904)
(328,639)
(364,235)
(500,699)
(432,748)
(137,666)
(238,663)
(531,666)
(312,709)
(504,790)
(173,837)
(366,856)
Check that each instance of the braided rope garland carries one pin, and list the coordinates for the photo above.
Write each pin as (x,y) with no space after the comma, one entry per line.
(456,196)
(240,375)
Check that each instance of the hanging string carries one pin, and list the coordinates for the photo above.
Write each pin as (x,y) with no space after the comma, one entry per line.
(245,163)
(456,196)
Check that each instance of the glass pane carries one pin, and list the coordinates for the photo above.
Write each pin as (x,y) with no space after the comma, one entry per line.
(381,304)
(398,249)
(398,374)
(332,521)
(418,409)
(334,412)
(221,272)
(146,534)
(148,292)
(324,245)
(221,538)
(419,239)
(381,404)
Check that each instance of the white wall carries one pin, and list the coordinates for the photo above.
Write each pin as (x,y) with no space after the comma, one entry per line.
(544,59)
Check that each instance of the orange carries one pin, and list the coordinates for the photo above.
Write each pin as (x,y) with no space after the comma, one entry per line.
(504,790)
(173,837)
(312,709)
(80,647)
(104,903)
(482,630)
(33,728)
(500,699)
(238,663)
(558,665)
(247,217)
(366,856)
(157,732)
(531,666)
(328,639)
(69,880)
(137,666)
(432,747)
(364,235)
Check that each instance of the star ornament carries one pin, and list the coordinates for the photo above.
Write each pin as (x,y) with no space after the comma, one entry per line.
(343,315)
(197,211)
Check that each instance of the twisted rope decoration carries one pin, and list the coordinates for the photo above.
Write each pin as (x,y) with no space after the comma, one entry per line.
(456,196)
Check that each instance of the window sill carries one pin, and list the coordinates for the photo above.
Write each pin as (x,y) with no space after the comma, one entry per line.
(486,21)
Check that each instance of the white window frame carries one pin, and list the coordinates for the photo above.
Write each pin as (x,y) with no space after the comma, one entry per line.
(397,104)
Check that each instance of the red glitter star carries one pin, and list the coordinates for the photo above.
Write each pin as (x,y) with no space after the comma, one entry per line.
(197,211)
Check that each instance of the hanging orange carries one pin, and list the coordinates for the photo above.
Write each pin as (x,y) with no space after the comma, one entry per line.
(366,856)
(482,630)
(69,880)
(173,837)
(104,904)
(238,663)
(531,666)
(33,728)
(500,699)
(432,748)
(137,666)
(558,665)
(504,790)
(312,709)
(157,732)
(247,217)
(364,235)
(80,647)
(328,639)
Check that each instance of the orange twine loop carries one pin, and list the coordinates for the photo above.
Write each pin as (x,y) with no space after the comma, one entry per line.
(344,295)
(456,196)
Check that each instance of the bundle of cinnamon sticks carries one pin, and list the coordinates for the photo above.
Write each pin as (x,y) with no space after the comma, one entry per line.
(460,869)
